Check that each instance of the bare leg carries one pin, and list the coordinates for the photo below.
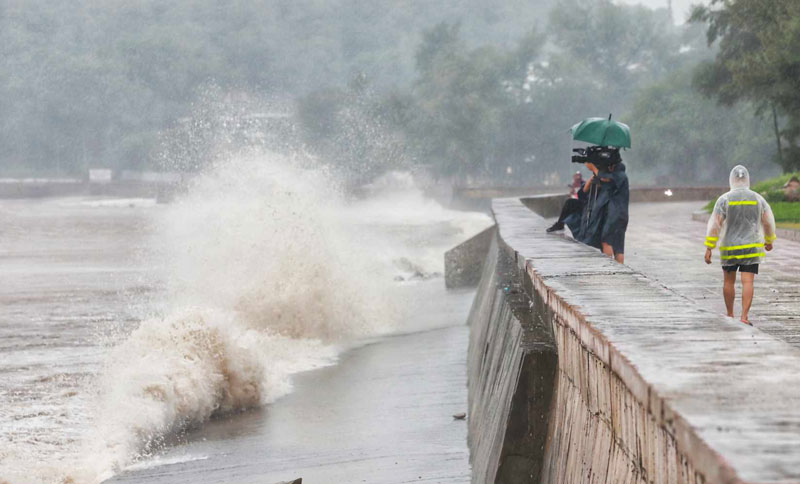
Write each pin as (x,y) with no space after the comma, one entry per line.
(620,258)
(747,294)
(729,290)
(608,250)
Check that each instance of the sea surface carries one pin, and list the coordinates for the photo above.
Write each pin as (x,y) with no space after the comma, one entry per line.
(130,328)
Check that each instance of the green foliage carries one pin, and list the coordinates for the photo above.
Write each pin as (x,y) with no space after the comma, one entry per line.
(786,212)
(619,46)
(772,189)
(758,60)
(99,82)
(681,135)
(486,96)
(773,196)
(774,183)
(459,102)
(504,115)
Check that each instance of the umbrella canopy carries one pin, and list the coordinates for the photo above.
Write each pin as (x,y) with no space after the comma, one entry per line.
(602,132)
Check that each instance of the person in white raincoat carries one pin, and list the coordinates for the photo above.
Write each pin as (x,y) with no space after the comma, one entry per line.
(743,224)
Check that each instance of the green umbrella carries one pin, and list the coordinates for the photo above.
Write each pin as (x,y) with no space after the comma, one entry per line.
(602,132)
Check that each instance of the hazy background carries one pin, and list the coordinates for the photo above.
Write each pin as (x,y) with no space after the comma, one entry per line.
(473,92)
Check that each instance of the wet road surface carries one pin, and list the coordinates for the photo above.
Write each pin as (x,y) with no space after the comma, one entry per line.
(664,243)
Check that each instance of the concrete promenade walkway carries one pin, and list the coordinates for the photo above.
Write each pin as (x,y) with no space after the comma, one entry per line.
(664,243)
(681,375)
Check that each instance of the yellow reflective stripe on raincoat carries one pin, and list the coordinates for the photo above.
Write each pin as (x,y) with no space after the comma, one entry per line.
(743,256)
(737,247)
(771,238)
(710,245)
(711,242)
(744,202)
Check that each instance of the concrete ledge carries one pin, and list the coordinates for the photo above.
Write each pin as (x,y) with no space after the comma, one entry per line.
(549,205)
(512,367)
(650,388)
(463,264)
(678,194)
(70,188)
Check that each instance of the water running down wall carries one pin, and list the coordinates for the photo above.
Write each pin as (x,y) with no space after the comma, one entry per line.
(649,387)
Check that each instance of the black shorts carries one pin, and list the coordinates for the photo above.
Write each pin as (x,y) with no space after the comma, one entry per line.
(742,268)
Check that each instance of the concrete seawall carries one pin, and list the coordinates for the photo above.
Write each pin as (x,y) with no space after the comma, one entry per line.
(582,370)
(67,187)
(512,368)
(549,205)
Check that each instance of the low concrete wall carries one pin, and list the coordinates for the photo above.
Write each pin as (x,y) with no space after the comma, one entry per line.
(480,198)
(512,369)
(463,264)
(42,188)
(649,387)
(677,194)
(38,188)
(548,205)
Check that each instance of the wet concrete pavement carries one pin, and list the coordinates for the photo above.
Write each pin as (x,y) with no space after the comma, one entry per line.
(664,243)
(383,414)
(725,393)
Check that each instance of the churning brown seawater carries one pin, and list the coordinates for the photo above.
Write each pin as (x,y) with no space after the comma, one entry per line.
(123,322)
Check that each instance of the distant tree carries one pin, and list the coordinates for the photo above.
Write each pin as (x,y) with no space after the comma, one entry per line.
(463,97)
(504,114)
(619,46)
(354,131)
(682,136)
(457,95)
(98,82)
(758,60)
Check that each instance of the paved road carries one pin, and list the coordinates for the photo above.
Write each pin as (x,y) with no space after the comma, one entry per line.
(667,245)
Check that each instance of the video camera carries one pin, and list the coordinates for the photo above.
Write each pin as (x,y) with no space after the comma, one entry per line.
(600,156)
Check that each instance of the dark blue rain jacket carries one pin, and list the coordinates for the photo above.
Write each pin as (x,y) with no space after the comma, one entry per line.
(605,218)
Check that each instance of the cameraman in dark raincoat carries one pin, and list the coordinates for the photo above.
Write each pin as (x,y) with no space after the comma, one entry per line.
(605,218)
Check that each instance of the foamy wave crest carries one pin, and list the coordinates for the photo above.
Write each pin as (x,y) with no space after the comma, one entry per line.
(266,279)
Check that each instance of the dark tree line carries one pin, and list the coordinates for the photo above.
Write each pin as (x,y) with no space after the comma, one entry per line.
(481,91)
(96,82)
(487,114)
(759,62)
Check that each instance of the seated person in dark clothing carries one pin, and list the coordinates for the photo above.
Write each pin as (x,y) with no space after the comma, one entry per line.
(605,224)
(573,207)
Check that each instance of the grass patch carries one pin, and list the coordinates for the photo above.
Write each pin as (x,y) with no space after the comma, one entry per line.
(786,212)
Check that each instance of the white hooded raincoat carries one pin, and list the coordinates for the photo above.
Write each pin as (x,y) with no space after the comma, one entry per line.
(742,222)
